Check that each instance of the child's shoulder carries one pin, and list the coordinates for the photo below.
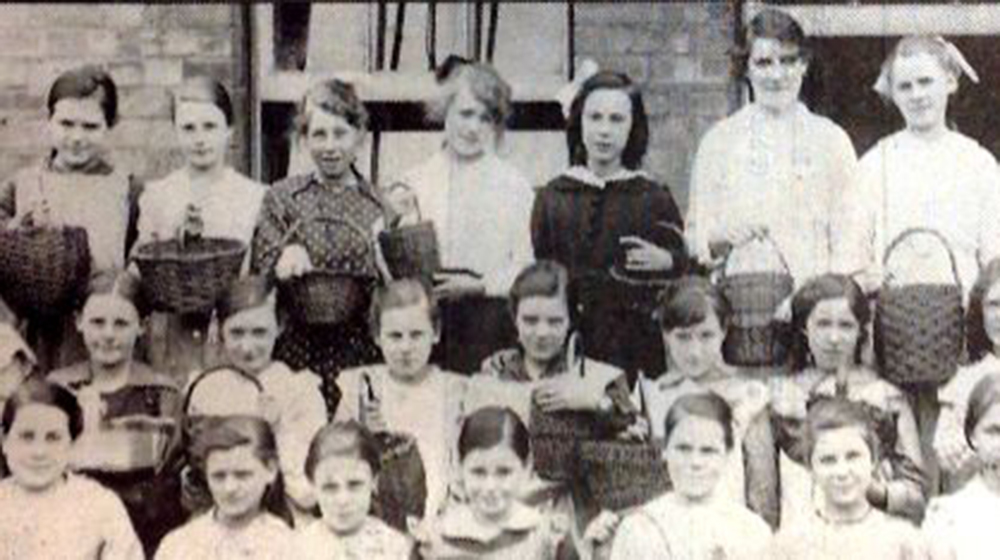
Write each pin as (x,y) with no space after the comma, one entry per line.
(70,376)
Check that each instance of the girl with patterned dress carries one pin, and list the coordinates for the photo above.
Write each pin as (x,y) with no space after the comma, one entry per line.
(46,511)
(342,465)
(206,197)
(323,220)
(75,186)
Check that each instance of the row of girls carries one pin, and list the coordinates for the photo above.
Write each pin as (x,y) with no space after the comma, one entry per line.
(823,475)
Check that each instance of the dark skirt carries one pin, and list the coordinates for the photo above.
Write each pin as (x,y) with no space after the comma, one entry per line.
(472,329)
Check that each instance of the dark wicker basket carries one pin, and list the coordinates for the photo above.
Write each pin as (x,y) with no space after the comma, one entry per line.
(43,270)
(554,438)
(919,328)
(189,277)
(620,474)
(402,480)
(410,251)
(325,297)
(754,338)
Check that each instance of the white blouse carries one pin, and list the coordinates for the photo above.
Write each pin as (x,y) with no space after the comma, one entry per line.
(964,523)
(203,538)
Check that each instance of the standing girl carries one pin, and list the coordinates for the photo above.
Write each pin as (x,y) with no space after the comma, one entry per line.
(45,511)
(492,523)
(604,210)
(842,447)
(342,465)
(130,411)
(75,185)
(407,394)
(294,234)
(241,466)
(962,526)
(206,197)
(693,317)
(691,521)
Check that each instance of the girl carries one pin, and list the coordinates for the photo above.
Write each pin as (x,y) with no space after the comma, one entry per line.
(773,167)
(604,210)
(205,197)
(407,394)
(75,185)
(830,317)
(293,234)
(960,526)
(690,522)
(843,451)
(292,400)
(46,512)
(130,411)
(241,465)
(343,465)
(693,317)
(460,189)
(492,523)
(982,334)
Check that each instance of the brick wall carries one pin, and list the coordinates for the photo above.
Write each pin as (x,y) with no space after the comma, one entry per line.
(679,53)
(147,48)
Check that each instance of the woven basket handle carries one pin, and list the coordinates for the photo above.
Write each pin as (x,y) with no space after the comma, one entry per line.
(928,231)
(766,237)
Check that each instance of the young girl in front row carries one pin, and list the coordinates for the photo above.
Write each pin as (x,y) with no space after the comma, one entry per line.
(492,524)
(407,394)
(843,454)
(46,512)
(241,466)
(343,464)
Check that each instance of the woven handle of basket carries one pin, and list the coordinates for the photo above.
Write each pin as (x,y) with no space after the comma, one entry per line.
(723,271)
(927,231)
(416,205)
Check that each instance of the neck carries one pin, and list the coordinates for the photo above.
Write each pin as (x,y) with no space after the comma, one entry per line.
(45,490)
(490,520)
(778,113)
(465,159)
(990,475)
(347,178)
(691,501)
(110,375)
(206,175)
(416,379)
(846,513)
(930,133)
(235,522)
(605,169)
(536,369)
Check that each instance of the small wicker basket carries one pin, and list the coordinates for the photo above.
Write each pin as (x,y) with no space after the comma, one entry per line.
(620,474)
(188,277)
(411,251)
(43,270)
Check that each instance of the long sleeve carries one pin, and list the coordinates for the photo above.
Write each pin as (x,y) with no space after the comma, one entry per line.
(541,226)
(517,218)
(906,491)
(989,225)
(132,228)
(349,384)
(302,416)
(760,459)
(120,541)
(267,239)
(703,203)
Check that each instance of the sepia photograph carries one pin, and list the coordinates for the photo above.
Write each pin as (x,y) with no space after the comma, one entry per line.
(500,280)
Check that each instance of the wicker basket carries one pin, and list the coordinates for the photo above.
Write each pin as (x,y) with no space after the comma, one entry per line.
(189,277)
(754,338)
(402,480)
(411,251)
(619,474)
(43,270)
(325,297)
(919,328)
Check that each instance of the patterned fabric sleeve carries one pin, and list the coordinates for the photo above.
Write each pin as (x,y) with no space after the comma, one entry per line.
(271,227)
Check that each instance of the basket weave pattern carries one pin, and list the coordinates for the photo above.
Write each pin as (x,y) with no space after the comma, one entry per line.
(411,251)
(621,474)
(42,270)
(554,438)
(324,297)
(189,278)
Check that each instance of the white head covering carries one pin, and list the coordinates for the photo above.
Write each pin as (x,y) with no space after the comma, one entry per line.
(883,86)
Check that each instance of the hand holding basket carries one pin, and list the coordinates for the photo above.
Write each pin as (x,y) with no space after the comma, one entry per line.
(410,251)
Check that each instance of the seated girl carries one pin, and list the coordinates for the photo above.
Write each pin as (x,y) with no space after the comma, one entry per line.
(842,447)
(45,511)
(693,317)
(130,411)
(343,464)
(692,521)
(492,524)
(408,395)
(241,466)
(962,526)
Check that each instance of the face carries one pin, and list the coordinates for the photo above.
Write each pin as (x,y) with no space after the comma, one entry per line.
(406,337)
(697,349)
(842,466)
(249,337)
(991,315)
(78,131)
(542,326)
(832,331)
(203,133)
(775,71)
(110,326)
(607,122)
(333,143)
(986,439)
(38,446)
(344,487)
(696,455)
(920,89)
(237,479)
(492,479)
(467,126)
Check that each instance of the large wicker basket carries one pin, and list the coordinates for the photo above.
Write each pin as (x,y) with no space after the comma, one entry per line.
(188,277)
(754,337)
(43,270)
(919,328)
(620,474)
(554,439)
(411,251)
(325,297)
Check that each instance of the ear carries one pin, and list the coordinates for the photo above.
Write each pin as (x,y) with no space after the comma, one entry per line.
(952,84)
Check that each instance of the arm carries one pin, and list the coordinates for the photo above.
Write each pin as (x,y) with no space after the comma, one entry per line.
(989,226)
(135,188)
(761,463)
(120,540)
(299,423)
(906,491)
(703,206)
(541,235)
(518,223)
(267,239)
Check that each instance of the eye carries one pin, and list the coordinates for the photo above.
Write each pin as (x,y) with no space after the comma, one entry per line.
(210,126)
(925,80)
(684,447)
(243,475)
(329,487)
(789,59)
(762,62)
(557,322)
(617,118)
(90,127)
(684,336)
(504,471)
(827,460)
(395,335)
(121,323)
(98,321)
(53,437)
(530,319)
(854,455)
(260,332)
(355,485)
(27,436)
(709,450)
(188,127)
(478,472)
(467,113)
(318,134)
(66,123)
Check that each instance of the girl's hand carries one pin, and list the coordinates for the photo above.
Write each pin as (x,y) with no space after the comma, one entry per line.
(952,451)
(568,393)
(457,285)
(371,416)
(602,529)
(294,261)
(401,205)
(641,255)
